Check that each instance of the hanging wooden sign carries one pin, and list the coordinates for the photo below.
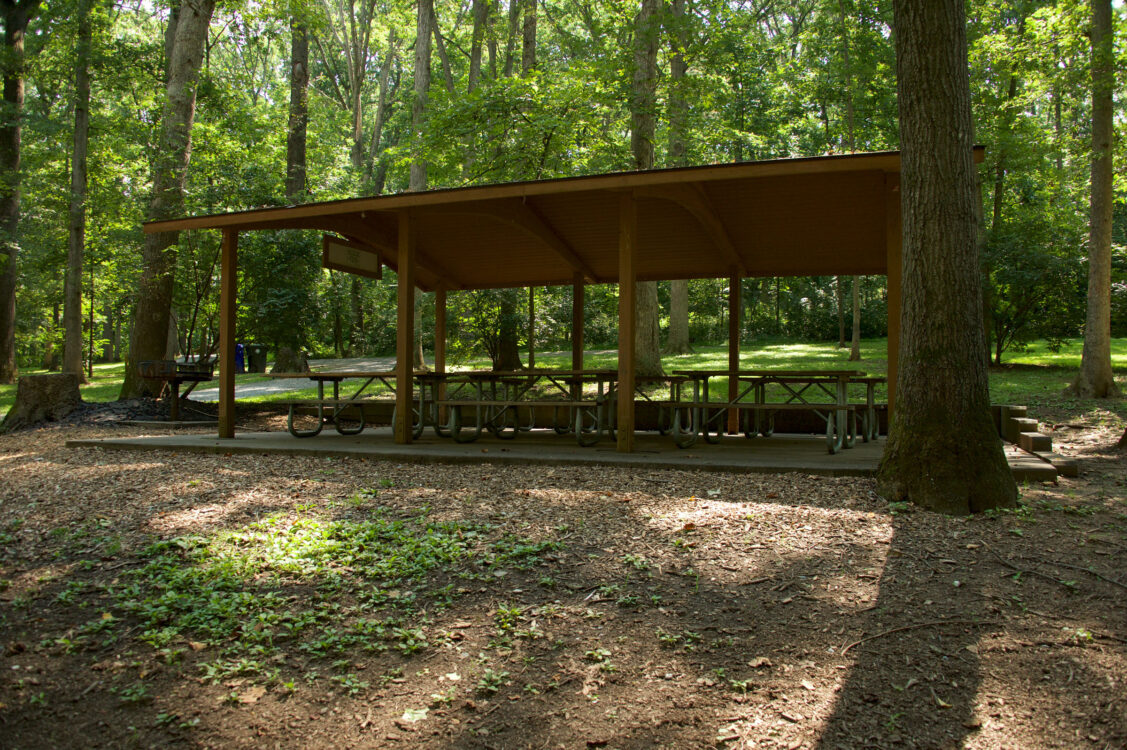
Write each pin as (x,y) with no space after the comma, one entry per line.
(340,254)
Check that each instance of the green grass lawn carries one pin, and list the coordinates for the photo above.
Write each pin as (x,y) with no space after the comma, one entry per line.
(1035,377)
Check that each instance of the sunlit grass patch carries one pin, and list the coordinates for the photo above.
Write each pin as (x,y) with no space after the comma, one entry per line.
(311,587)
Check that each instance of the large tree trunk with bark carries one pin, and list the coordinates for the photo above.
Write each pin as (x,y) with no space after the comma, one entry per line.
(1096,379)
(508,338)
(677,340)
(296,137)
(943,451)
(76,243)
(418,176)
(643,121)
(170,168)
(16,16)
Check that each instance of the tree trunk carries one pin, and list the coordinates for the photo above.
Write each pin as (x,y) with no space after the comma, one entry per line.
(840,289)
(418,179)
(1096,379)
(508,342)
(943,451)
(480,19)
(528,38)
(41,398)
(677,340)
(290,360)
(440,45)
(76,245)
(511,39)
(375,161)
(643,121)
(170,167)
(16,17)
(299,112)
(855,344)
(356,334)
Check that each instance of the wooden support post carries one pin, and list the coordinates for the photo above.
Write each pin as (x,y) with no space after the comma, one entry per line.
(734,308)
(531,327)
(440,339)
(627,318)
(577,343)
(893,246)
(227,279)
(405,331)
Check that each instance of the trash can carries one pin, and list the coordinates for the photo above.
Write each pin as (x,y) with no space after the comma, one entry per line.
(240,360)
(256,357)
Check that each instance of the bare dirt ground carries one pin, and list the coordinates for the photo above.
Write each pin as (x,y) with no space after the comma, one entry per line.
(154,599)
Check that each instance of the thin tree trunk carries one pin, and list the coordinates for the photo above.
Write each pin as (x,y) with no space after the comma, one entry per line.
(840,289)
(296,137)
(855,344)
(851,143)
(643,121)
(374,153)
(677,340)
(480,20)
(943,451)
(440,45)
(418,178)
(1095,379)
(511,39)
(170,168)
(76,245)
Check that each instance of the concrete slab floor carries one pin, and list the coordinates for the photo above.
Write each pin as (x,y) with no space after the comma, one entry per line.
(780,453)
(805,454)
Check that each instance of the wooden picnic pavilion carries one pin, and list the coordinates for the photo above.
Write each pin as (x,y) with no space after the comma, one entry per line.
(819,216)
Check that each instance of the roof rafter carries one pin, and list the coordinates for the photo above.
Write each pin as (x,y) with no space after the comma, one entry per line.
(692,198)
(519,213)
(364,230)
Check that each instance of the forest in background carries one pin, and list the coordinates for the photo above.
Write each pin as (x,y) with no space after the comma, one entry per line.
(523,90)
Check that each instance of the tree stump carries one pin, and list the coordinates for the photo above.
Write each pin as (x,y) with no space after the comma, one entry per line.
(42,398)
(290,360)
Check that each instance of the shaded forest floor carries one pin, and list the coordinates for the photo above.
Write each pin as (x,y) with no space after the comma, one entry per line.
(246,601)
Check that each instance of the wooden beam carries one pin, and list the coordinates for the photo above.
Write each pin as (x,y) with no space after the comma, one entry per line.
(893,246)
(227,289)
(520,214)
(734,309)
(692,198)
(577,342)
(405,330)
(531,327)
(627,318)
(440,338)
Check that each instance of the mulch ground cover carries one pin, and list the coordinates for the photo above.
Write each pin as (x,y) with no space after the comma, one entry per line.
(158,599)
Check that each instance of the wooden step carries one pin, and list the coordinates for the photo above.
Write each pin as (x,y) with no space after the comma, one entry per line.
(1035,442)
(1066,466)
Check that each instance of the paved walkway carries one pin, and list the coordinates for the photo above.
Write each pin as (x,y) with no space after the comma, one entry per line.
(285,385)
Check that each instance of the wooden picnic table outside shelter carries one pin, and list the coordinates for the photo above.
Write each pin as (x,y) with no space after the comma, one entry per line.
(829,215)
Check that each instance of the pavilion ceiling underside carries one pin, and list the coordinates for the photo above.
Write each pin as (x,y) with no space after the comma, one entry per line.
(789,225)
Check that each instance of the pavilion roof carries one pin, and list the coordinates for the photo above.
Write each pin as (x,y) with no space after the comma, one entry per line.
(786,217)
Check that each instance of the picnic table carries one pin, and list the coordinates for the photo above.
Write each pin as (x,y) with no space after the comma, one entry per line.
(339,415)
(822,392)
(463,404)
